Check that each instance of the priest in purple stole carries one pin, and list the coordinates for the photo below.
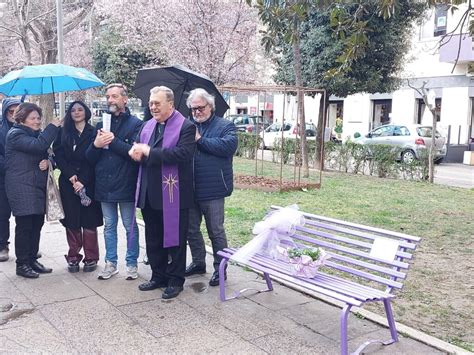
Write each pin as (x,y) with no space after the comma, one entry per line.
(165,190)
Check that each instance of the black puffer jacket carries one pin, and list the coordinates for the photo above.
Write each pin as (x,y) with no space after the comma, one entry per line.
(5,126)
(25,183)
(213,175)
(115,172)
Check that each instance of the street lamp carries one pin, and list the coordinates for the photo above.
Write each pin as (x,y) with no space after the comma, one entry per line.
(59,19)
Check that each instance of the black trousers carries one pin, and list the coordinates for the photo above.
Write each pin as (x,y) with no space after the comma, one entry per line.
(167,264)
(5,214)
(27,237)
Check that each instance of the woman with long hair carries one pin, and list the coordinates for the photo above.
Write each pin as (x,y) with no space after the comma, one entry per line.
(76,184)
(26,174)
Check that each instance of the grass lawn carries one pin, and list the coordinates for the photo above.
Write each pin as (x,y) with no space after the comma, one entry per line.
(438,294)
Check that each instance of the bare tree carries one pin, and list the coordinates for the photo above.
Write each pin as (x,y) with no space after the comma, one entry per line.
(430,104)
(31,33)
(213,37)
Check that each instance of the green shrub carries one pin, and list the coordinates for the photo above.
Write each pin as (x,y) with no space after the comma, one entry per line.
(292,148)
(380,160)
(384,158)
(248,145)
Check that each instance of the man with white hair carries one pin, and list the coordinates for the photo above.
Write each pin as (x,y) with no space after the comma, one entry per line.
(217,142)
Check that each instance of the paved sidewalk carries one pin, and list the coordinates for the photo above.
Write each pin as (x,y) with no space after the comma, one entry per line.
(77,313)
(458,175)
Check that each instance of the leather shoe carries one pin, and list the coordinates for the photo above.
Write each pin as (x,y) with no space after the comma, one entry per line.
(89,266)
(195,269)
(26,271)
(151,285)
(73,266)
(171,292)
(40,268)
(214,281)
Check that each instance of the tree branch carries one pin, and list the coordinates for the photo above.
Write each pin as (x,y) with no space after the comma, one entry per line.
(11,30)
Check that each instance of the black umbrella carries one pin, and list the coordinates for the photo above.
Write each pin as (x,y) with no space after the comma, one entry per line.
(179,79)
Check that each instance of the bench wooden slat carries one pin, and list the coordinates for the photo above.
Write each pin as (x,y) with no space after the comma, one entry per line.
(385,270)
(296,281)
(322,276)
(347,241)
(359,226)
(395,263)
(364,274)
(351,289)
(357,233)
(329,282)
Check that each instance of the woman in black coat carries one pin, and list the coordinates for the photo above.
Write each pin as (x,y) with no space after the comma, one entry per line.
(76,184)
(26,173)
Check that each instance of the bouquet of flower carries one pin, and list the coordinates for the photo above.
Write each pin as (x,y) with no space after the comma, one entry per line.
(305,261)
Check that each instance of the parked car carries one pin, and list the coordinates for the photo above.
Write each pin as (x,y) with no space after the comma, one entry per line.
(290,130)
(412,139)
(248,123)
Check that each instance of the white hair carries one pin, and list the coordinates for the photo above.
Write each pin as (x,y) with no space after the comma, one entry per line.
(203,94)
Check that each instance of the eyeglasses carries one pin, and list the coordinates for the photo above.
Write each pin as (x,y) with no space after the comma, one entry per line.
(198,108)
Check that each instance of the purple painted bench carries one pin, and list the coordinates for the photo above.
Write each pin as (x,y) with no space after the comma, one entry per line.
(360,269)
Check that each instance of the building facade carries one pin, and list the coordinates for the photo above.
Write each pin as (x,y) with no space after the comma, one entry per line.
(438,58)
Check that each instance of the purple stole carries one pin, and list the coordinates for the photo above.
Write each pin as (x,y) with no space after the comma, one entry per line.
(169,178)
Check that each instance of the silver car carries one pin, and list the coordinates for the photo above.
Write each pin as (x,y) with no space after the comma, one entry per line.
(290,130)
(412,139)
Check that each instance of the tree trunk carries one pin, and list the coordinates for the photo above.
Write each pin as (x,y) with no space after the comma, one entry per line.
(47,102)
(27,47)
(300,98)
(324,102)
(432,148)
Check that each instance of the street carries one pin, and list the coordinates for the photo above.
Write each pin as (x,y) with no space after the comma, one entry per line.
(459,175)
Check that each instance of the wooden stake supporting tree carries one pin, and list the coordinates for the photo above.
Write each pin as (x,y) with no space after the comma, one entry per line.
(265,168)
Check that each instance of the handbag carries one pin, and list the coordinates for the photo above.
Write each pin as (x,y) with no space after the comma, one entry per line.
(54,206)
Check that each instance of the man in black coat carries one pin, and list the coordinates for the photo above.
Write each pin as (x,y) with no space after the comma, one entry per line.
(217,142)
(165,190)
(6,122)
(115,179)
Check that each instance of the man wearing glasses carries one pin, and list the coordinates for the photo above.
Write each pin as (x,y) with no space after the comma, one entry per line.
(8,109)
(217,142)
(116,177)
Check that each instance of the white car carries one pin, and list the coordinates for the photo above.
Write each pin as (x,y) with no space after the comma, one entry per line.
(412,139)
(290,130)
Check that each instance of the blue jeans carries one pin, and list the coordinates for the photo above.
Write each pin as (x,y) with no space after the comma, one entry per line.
(127,211)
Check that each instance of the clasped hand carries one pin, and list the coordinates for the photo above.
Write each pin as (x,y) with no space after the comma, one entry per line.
(103,138)
(76,184)
(44,165)
(138,151)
